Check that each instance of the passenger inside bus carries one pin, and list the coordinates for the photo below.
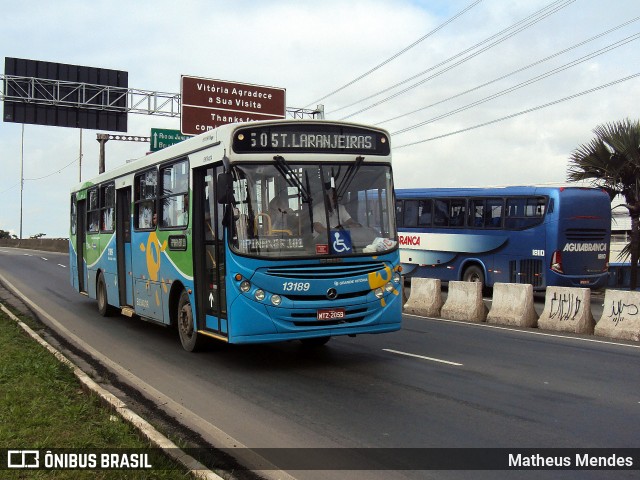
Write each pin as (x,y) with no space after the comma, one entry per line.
(281,214)
(183,213)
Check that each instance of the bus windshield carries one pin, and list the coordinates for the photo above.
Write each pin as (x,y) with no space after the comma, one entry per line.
(282,209)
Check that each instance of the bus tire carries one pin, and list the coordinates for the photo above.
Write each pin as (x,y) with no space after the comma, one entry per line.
(101,295)
(189,338)
(473,274)
(314,342)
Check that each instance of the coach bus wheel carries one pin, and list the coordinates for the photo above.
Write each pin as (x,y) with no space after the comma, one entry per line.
(473,274)
(101,293)
(315,342)
(188,336)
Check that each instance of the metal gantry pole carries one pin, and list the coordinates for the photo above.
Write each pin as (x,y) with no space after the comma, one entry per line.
(21,177)
(80,159)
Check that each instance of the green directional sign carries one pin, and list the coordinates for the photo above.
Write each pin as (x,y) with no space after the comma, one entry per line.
(163,138)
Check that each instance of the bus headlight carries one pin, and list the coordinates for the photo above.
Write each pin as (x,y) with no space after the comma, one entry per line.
(396,278)
(389,287)
(379,292)
(259,295)
(276,300)
(245,286)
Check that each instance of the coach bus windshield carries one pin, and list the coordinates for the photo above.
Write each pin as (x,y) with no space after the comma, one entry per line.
(283,209)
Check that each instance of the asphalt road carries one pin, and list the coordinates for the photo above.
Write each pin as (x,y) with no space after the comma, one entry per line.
(434,384)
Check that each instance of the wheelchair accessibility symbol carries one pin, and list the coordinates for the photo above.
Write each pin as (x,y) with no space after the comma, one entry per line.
(341,242)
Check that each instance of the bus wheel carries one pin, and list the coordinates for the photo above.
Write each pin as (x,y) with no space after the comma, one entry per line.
(101,293)
(315,342)
(473,274)
(188,336)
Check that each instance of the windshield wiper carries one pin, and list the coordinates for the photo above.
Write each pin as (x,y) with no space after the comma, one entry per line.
(349,176)
(290,176)
(292,179)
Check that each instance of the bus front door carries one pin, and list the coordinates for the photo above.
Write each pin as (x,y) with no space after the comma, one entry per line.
(210,264)
(81,239)
(123,245)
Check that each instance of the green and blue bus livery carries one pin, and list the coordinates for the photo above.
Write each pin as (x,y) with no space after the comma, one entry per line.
(221,235)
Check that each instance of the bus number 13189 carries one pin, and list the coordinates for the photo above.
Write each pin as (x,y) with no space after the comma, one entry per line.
(296,286)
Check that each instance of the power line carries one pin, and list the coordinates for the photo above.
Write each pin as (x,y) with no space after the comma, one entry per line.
(10,188)
(396,55)
(529,110)
(538,62)
(532,80)
(53,173)
(532,19)
(40,178)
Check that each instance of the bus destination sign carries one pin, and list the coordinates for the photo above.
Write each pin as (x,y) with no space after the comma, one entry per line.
(310,138)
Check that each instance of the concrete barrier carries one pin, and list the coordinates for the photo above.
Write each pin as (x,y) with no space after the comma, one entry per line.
(620,316)
(425,298)
(567,310)
(464,302)
(45,244)
(513,305)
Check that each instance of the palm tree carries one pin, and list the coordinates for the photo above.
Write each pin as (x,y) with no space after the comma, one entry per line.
(611,161)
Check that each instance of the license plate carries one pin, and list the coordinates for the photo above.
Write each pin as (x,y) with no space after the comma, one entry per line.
(584,282)
(331,313)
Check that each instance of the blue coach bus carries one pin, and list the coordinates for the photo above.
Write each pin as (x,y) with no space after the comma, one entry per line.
(225,235)
(539,235)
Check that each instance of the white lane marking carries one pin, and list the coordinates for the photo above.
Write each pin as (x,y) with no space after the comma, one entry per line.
(61,265)
(26,254)
(45,259)
(423,357)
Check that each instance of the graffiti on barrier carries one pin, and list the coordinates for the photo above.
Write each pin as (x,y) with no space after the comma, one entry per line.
(565,306)
(619,310)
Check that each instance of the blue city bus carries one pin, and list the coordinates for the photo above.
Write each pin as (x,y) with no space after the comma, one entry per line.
(222,235)
(538,235)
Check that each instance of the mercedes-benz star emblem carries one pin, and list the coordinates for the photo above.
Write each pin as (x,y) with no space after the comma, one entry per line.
(332,294)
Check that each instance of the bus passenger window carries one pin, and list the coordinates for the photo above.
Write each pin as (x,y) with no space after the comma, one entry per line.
(441,213)
(399,217)
(145,200)
(524,212)
(74,214)
(458,212)
(476,213)
(93,212)
(107,203)
(424,213)
(494,213)
(410,213)
(536,207)
(174,202)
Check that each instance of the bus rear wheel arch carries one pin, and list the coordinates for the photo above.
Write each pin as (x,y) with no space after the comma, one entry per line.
(473,273)
(189,337)
(101,295)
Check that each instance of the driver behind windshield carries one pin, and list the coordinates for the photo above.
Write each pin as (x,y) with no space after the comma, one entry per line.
(338,215)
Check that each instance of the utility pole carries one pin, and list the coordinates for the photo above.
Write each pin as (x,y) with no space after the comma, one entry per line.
(21,178)
(102,139)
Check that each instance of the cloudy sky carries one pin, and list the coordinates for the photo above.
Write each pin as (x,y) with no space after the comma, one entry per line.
(498,63)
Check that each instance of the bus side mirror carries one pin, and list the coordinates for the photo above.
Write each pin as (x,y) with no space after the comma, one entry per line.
(224,188)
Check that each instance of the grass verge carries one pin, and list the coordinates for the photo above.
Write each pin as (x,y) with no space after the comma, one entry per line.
(42,406)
